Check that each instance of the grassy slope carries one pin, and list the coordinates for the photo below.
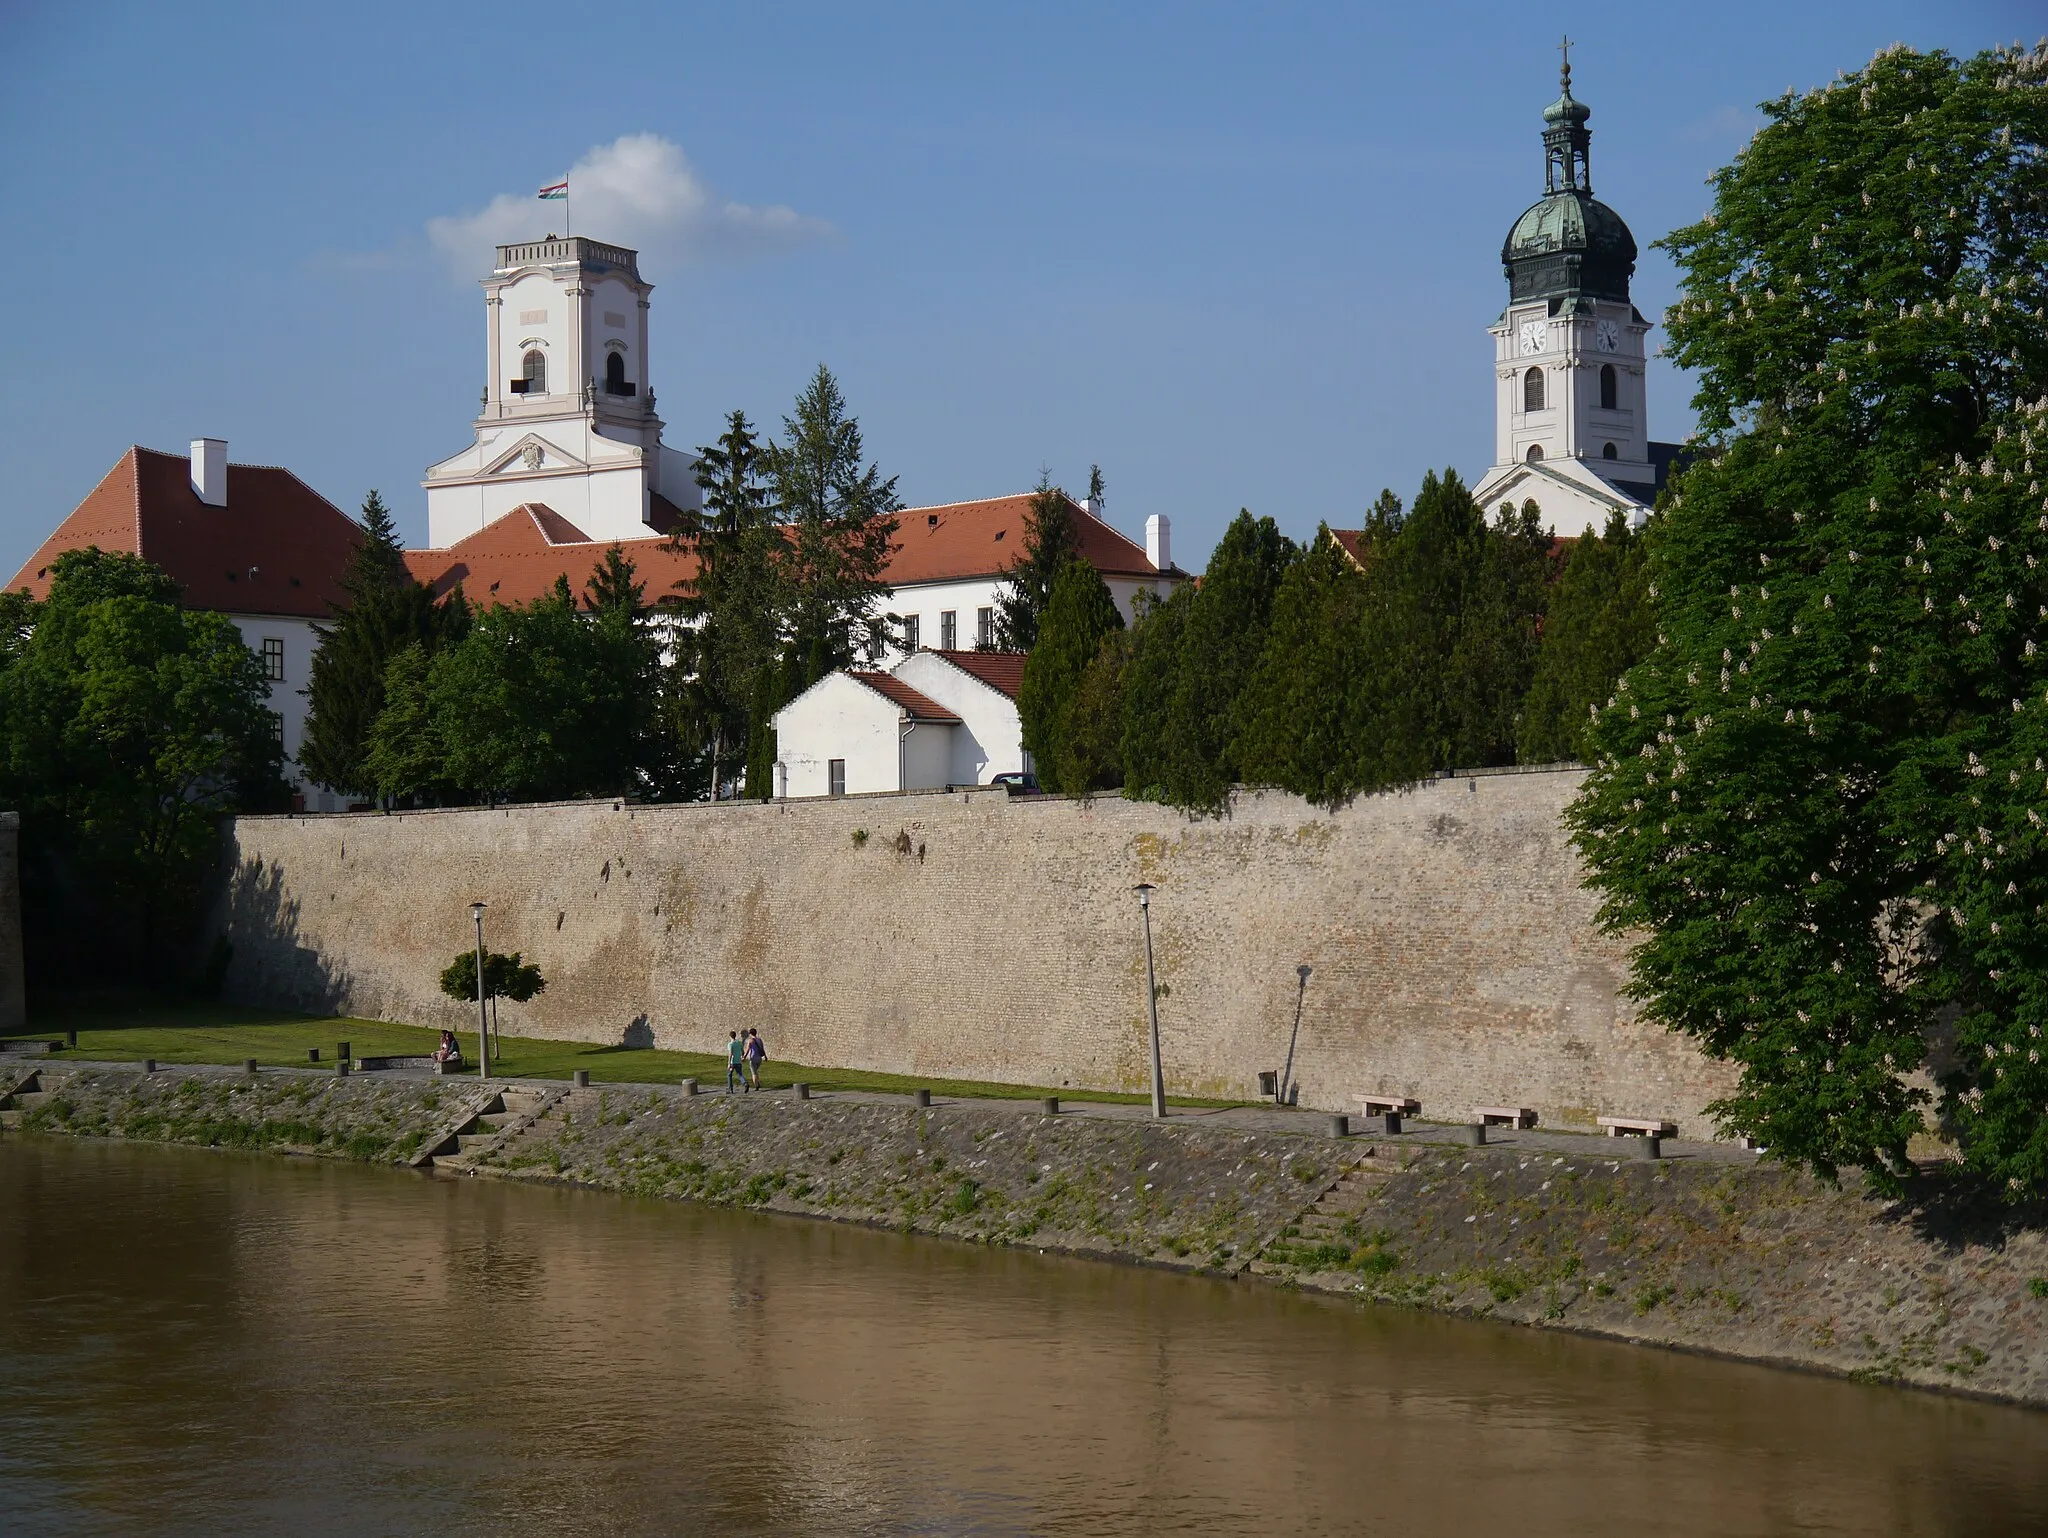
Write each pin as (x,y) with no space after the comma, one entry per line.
(185,1032)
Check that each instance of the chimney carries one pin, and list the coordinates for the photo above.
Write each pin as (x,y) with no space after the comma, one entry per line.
(1159,541)
(210,471)
(1092,506)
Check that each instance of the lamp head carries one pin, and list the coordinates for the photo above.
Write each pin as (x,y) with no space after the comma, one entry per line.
(1144,889)
(476,911)
(1302,972)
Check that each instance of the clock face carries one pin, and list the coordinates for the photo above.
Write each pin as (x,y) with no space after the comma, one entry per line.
(1607,335)
(1535,336)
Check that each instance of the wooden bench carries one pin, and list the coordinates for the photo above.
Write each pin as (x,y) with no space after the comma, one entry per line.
(1638,1126)
(1389,1105)
(1516,1116)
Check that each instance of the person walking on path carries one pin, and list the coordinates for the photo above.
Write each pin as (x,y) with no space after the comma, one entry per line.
(735,1061)
(756,1055)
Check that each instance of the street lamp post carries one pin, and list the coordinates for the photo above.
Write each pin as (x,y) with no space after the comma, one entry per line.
(1145,889)
(483,1019)
(1286,1074)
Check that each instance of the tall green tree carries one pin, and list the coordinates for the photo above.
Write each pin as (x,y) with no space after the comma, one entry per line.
(841,518)
(1195,757)
(384,611)
(1597,626)
(1049,545)
(1500,618)
(1090,753)
(1146,685)
(1079,613)
(1294,729)
(128,726)
(1817,802)
(731,641)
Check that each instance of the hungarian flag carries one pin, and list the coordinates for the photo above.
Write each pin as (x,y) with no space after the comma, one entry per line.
(559,190)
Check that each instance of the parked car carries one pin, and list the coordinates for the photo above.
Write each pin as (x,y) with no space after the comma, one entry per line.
(1017,783)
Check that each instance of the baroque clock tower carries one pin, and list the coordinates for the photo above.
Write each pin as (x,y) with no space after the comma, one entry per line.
(1571,421)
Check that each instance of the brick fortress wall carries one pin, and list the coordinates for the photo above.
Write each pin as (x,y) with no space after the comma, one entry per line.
(969,935)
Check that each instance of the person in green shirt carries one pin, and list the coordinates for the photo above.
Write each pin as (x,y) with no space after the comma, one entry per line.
(736,1062)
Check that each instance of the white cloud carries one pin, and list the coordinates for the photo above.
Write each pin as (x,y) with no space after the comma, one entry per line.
(639,191)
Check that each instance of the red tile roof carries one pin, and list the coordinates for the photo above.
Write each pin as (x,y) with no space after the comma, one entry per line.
(1352,543)
(961,540)
(1003,671)
(900,693)
(278,547)
(516,558)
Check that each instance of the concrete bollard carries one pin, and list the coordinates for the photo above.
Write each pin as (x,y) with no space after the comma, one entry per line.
(803,1091)
(312,1054)
(248,1065)
(149,1065)
(1340,1125)
(583,1078)
(1648,1147)
(1475,1135)
(1050,1105)
(71,1038)
(689,1086)
(342,1052)
(1393,1123)
(924,1097)
(341,1068)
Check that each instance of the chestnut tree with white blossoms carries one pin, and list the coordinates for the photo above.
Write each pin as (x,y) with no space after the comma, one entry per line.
(1819,808)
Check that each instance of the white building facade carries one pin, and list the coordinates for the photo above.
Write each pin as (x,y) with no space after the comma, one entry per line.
(568,417)
(935,719)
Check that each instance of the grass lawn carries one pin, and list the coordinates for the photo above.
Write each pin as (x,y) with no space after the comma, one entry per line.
(128,1030)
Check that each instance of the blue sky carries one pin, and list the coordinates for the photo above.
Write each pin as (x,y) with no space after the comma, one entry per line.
(1238,255)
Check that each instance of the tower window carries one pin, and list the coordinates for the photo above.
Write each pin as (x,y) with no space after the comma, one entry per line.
(533,374)
(1535,454)
(1610,452)
(1610,392)
(615,382)
(1532,390)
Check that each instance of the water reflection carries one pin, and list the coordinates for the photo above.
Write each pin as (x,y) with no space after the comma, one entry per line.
(196,1343)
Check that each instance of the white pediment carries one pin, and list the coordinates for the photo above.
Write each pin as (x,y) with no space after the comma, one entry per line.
(533,455)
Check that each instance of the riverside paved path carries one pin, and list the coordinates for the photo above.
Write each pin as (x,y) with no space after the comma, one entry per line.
(1251,1117)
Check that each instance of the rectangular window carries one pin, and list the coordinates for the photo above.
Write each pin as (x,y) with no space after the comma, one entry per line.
(273,658)
(835,776)
(277,727)
(949,630)
(910,632)
(984,628)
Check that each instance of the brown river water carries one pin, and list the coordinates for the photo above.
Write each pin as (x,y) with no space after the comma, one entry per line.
(213,1343)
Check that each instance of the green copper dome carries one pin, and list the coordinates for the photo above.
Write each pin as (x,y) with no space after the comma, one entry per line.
(1569,245)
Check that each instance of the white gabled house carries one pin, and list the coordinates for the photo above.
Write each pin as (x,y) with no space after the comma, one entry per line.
(935,719)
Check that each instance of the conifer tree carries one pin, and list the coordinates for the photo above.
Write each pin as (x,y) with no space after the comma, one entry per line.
(1079,613)
(1818,801)
(1091,742)
(1049,545)
(1493,659)
(1146,691)
(384,611)
(1598,625)
(1220,639)
(1293,725)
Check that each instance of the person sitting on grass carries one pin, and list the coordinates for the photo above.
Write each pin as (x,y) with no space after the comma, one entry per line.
(450,1050)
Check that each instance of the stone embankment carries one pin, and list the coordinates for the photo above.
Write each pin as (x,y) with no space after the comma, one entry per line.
(1706,1251)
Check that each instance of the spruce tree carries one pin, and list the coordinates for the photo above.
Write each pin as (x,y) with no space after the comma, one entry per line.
(384,611)
(1049,545)
(1493,658)
(1091,739)
(1597,626)
(1079,613)
(1147,682)
(1817,803)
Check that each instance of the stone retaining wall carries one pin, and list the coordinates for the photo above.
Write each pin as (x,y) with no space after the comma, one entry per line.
(979,937)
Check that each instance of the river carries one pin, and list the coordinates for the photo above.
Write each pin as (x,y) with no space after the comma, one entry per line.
(209,1343)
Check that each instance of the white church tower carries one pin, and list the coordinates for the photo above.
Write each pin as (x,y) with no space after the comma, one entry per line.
(568,416)
(1571,417)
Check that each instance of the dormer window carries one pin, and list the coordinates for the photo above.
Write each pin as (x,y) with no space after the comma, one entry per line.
(1535,454)
(533,374)
(1532,390)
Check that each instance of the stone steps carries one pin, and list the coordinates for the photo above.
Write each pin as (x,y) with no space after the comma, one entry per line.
(506,1117)
(1322,1222)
